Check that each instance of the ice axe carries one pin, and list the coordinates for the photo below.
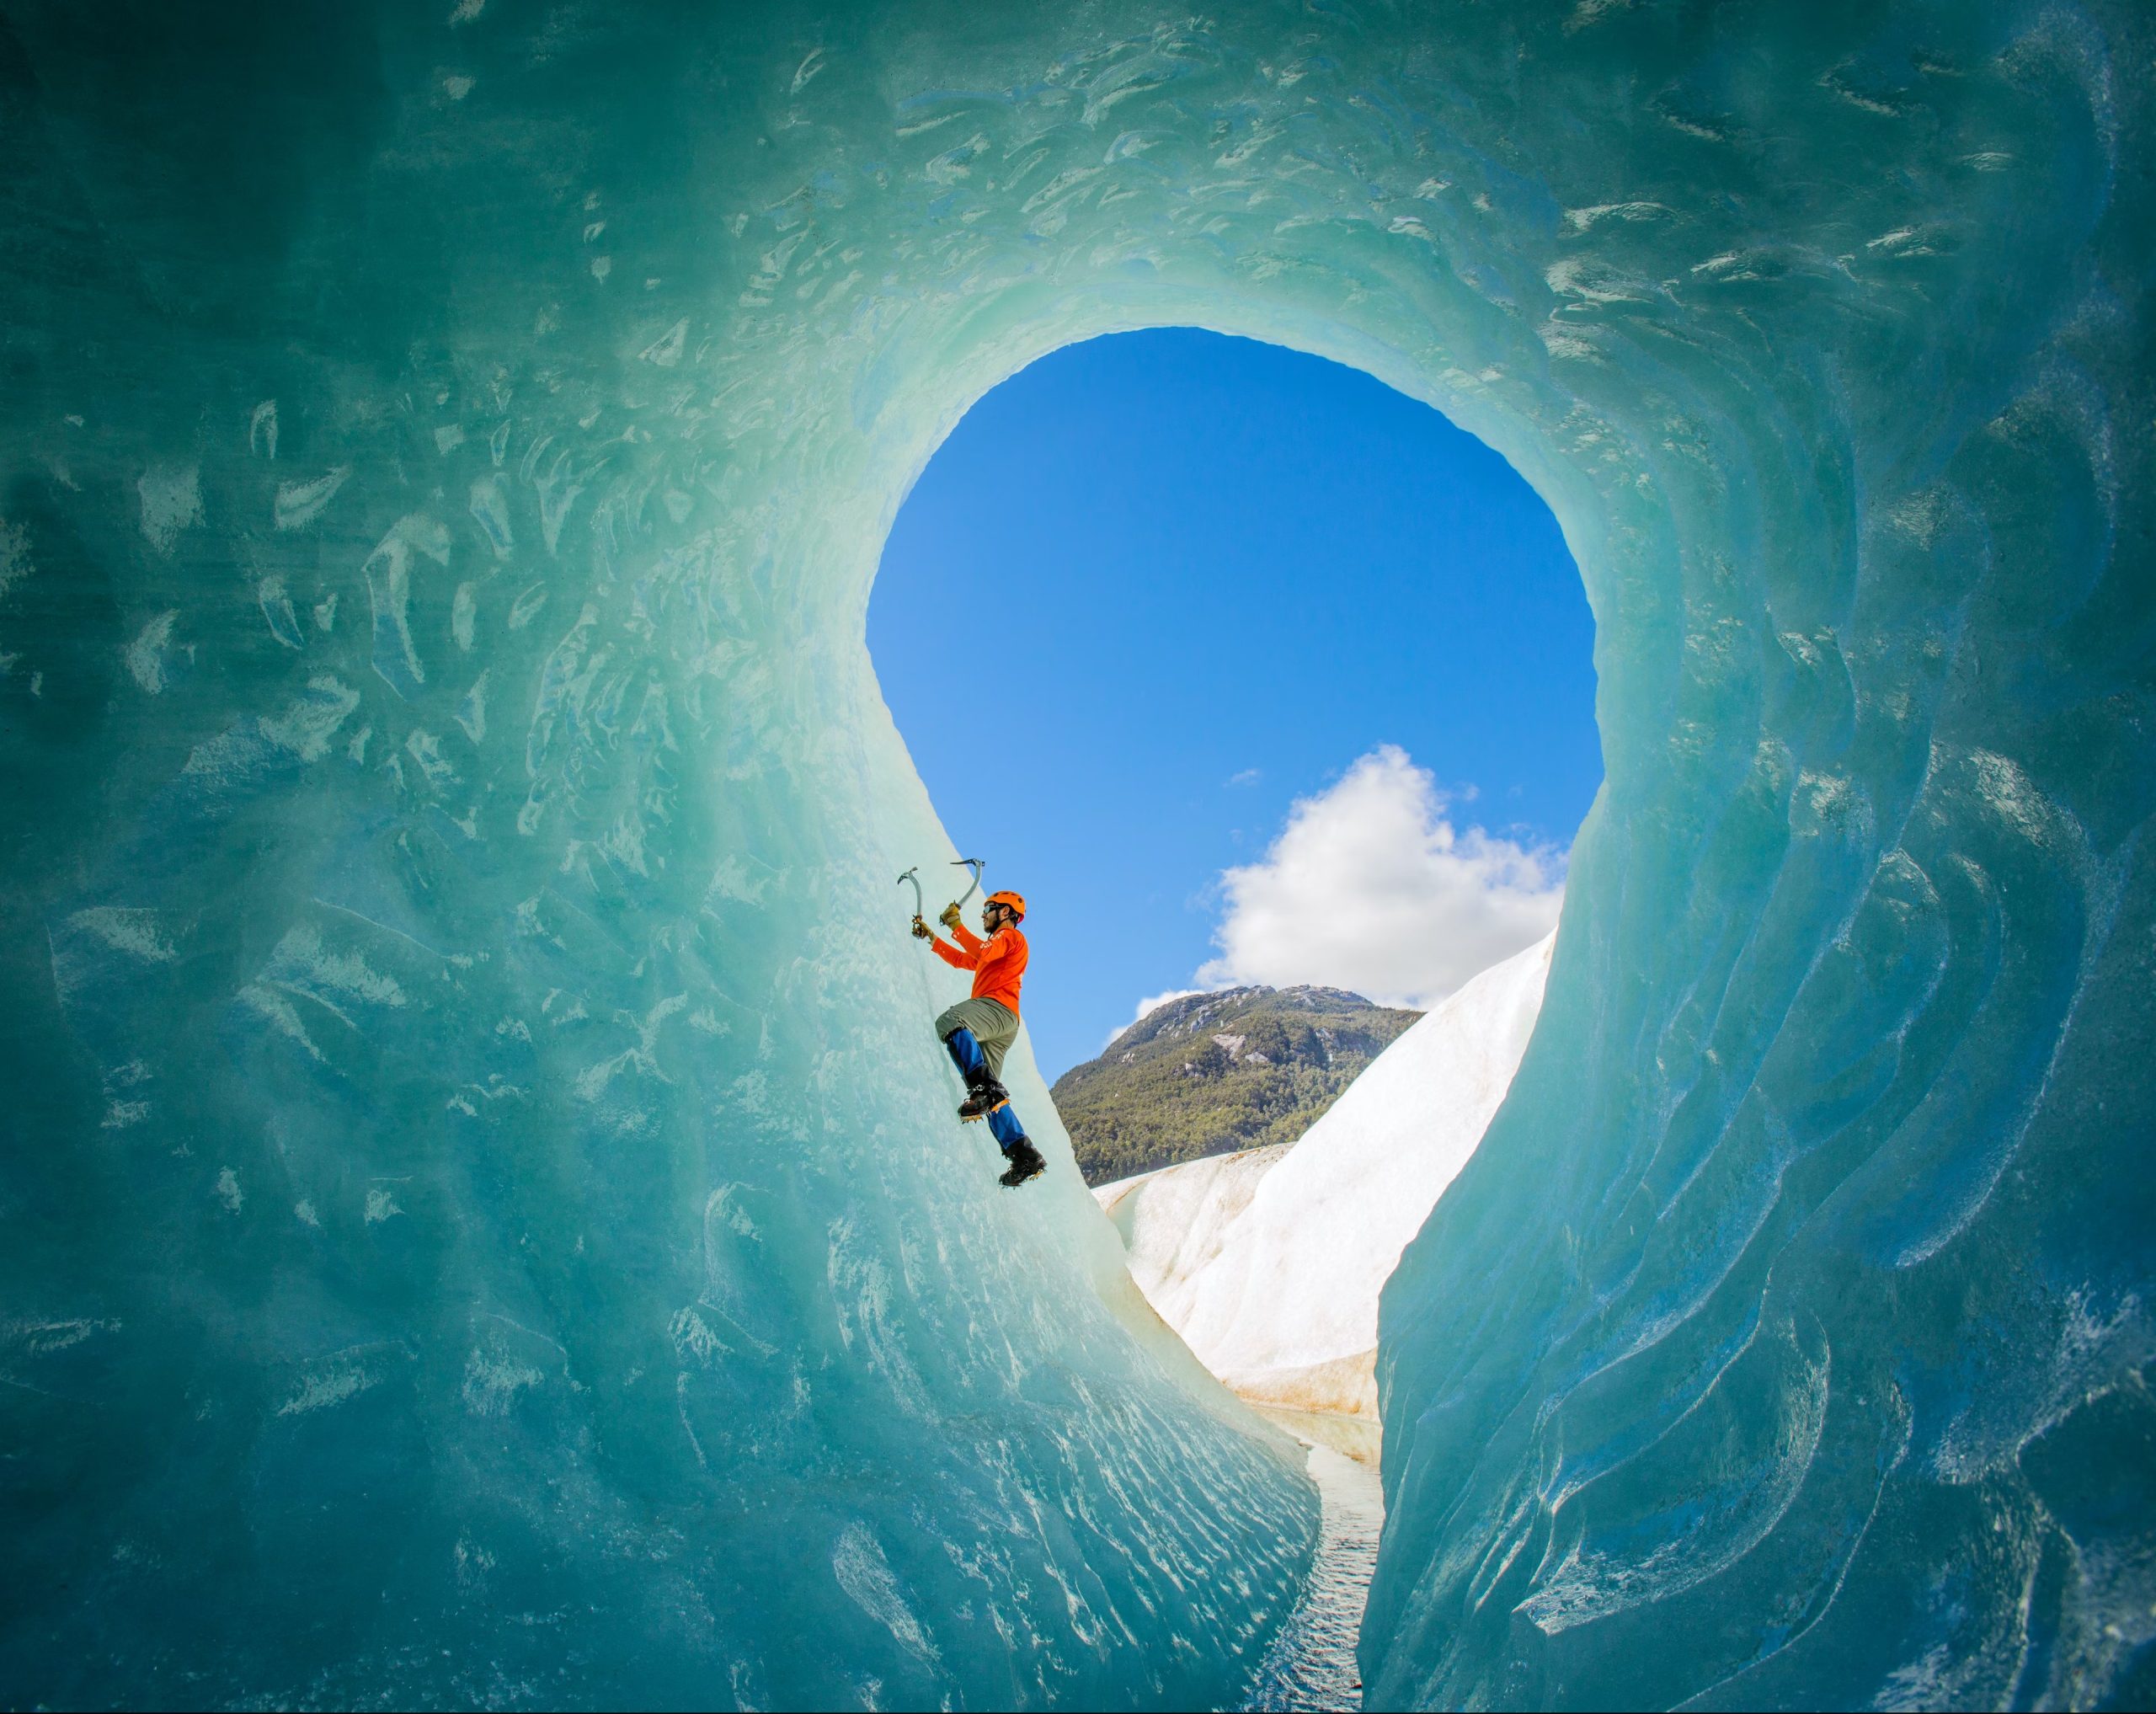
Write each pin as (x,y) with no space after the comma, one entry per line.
(976,865)
(913,874)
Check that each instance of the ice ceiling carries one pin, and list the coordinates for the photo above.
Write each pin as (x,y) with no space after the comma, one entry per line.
(482,1219)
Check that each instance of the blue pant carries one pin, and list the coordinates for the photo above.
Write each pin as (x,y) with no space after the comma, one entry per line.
(973,1066)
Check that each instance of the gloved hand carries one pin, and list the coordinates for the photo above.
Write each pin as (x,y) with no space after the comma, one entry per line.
(952,917)
(921,931)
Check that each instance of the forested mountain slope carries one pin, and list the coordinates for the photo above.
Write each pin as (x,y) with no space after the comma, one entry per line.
(1212,1073)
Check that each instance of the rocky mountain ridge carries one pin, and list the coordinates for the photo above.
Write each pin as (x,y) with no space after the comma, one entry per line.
(1209,1074)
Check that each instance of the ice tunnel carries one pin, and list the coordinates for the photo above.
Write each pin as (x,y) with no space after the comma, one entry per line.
(483,1221)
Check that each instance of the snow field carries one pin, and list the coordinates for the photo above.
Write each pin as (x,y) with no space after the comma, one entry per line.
(1269,1263)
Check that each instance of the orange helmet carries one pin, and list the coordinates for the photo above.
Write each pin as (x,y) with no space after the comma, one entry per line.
(1013,902)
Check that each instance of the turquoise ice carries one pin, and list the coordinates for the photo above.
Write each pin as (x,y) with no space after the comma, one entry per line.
(483,1221)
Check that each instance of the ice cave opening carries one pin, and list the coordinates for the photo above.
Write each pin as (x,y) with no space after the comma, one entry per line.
(470,1237)
(1141,581)
(1151,601)
(1142,593)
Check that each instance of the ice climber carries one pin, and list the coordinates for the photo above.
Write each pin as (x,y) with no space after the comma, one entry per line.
(978,1032)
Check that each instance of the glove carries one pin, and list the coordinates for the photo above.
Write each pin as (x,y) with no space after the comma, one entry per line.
(921,930)
(951,918)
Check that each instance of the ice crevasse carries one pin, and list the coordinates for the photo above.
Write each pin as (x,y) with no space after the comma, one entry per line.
(1269,1262)
(481,1219)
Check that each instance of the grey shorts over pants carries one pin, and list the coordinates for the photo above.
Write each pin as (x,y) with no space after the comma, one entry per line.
(994,1025)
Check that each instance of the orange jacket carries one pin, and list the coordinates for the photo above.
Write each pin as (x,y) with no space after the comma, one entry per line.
(998,963)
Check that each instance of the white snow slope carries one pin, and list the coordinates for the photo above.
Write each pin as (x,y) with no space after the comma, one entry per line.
(1269,1263)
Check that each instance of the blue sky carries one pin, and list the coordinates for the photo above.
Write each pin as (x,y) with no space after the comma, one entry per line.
(1241,667)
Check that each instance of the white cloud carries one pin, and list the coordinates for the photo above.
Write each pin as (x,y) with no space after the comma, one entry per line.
(1248,776)
(1370,887)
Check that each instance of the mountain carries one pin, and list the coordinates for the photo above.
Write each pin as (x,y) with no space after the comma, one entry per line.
(1210,1074)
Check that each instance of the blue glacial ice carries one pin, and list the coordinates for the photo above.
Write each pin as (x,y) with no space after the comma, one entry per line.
(481,1221)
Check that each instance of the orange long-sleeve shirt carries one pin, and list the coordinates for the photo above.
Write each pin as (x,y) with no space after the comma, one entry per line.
(998,963)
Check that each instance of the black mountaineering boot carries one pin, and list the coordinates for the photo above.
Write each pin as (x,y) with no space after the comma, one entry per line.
(984,1094)
(1026,1162)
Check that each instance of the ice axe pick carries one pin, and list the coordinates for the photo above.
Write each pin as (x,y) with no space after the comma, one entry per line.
(913,874)
(976,865)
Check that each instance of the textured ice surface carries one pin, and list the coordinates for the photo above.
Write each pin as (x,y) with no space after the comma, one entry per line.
(480,1218)
(1269,1262)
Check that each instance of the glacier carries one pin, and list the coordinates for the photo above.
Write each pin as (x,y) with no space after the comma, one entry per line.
(1269,1262)
(482,1223)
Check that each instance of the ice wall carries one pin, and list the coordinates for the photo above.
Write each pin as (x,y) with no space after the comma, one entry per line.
(1786,1341)
(485,1217)
(480,1221)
